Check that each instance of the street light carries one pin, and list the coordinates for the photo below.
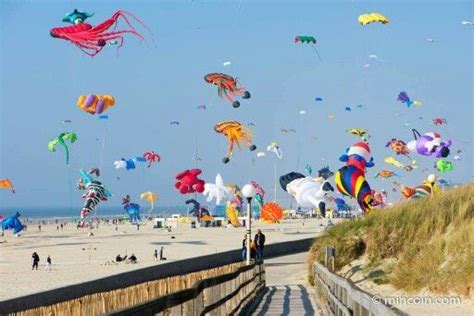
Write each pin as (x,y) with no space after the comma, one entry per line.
(248,191)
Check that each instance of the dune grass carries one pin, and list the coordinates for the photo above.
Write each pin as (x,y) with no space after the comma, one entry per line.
(430,241)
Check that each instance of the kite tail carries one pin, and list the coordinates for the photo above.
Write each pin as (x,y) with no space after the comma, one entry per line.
(66,149)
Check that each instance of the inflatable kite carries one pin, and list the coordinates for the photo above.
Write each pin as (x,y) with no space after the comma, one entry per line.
(428,188)
(429,144)
(259,193)
(198,211)
(235,133)
(307,191)
(341,205)
(13,223)
(128,164)
(271,212)
(363,134)
(95,193)
(132,209)
(385,174)
(217,191)
(351,182)
(61,139)
(92,39)
(188,181)
(6,184)
(227,87)
(368,18)
(398,146)
(275,148)
(151,157)
(325,173)
(444,166)
(308,40)
(403,97)
(359,156)
(379,198)
(95,103)
(150,197)
(439,121)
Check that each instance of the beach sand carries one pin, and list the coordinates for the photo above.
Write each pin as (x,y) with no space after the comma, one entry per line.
(78,257)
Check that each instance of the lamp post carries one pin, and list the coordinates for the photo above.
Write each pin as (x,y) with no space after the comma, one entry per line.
(248,191)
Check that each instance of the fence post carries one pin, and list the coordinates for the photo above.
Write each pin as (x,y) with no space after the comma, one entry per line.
(330,255)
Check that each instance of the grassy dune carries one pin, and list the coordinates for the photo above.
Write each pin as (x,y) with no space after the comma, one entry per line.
(424,244)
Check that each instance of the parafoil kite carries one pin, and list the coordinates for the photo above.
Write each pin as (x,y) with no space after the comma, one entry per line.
(13,223)
(132,209)
(351,182)
(95,103)
(398,146)
(359,156)
(271,212)
(92,39)
(385,174)
(307,191)
(235,133)
(6,184)
(61,139)
(228,87)
(174,123)
(368,18)
(308,40)
(151,157)
(428,188)
(348,109)
(363,134)
(439,121)
(318,99)
(403,97)
(217,191)
(275,148)
(188,181)
(150,197)
(429,144)
(444,166)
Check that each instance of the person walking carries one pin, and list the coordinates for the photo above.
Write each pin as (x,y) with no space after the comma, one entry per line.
(155,254)
(244,248)
(260,243)
(48,264)
(35,258)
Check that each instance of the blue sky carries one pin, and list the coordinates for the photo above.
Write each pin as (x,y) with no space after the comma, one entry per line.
(41,78)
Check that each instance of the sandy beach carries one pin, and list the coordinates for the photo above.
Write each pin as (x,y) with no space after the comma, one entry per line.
(78,257)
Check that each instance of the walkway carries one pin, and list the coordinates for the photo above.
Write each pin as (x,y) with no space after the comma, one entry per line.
(287,290)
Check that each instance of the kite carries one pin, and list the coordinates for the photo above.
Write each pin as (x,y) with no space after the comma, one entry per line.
(92,39)
(128,164)
(444,166)
(398,146)
(439,121)
(235,133)
(95,103)
(259,193)
(174,123)
(188,181)
(67,121)
(318,99)
(331,116)
(302,112)
(341,205)
(351,182)
(13,223)
(348,109)
(325,173)
(61,139)
(308,169)
(260,154)
(363,134)
(151,157)
(307,191)
(403,97)
(103,117)
(232,214)
(457,157)
(359,156)
(428,188)
(95,193)
(151,197)
(271,212)
(217,191)
(6,184)
(275,148)
(226,63)
(228,87)
(132,209)
(368,18)
(201,107)
(308,40)
(466,23)
(392,161)
(379,198)
(385,174)
(429,144)
(198,211)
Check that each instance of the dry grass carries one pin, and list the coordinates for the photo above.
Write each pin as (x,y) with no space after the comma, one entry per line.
(431,240)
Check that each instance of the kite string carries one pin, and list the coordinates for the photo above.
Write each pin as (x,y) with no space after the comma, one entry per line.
(317,53)
(101,156)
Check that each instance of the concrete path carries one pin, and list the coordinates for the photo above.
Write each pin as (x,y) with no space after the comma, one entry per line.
(287,290)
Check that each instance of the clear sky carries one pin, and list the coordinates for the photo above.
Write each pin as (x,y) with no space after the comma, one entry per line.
(41,78)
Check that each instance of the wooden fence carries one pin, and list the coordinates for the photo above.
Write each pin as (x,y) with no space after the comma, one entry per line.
(345,298)
(220,295)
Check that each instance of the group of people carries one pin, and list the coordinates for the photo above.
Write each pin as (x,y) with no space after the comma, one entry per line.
(131,259)
(36,259)
(256,246)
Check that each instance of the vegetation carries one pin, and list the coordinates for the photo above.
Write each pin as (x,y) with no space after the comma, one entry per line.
(429,243)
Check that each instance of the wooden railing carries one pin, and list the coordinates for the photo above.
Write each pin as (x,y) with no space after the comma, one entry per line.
(345,298)
(221,295)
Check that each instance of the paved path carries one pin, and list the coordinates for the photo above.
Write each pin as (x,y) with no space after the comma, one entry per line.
(287,290)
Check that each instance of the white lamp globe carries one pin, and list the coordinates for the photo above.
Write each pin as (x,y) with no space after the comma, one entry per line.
(248,191)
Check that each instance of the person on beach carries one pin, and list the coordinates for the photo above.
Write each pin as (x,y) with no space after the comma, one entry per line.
(35,257)
(260,243)
(133,259)
(120,258)
(155,254)
(162,251)
(39,227)
(48,263)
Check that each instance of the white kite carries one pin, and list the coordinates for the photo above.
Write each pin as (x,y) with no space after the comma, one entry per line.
(217,191)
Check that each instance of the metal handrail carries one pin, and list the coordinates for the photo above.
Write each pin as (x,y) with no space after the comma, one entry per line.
(168,301)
